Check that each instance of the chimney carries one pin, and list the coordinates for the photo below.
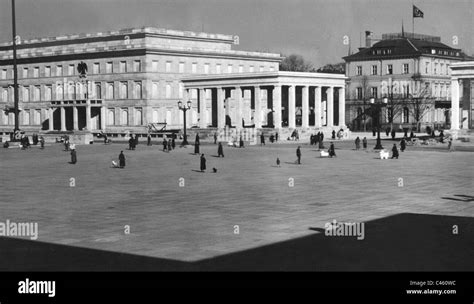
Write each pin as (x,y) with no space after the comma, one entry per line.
(368,39)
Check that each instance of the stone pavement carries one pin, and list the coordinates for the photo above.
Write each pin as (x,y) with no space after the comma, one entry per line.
(198,221)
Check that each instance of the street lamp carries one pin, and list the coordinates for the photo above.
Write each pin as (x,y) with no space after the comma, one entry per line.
(378,108)
(184,108)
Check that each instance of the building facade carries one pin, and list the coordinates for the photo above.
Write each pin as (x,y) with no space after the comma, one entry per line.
(133,78)
(411,72)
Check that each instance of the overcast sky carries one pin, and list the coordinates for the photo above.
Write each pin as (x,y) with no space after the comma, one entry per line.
(312,28)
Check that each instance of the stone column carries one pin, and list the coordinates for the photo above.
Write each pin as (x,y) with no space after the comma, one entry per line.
(238,107)
(88,117)
(51,119)
(103,117)
(257,115)
(277,106)
(291,106)
(202,108)
(63,118)
(330,106)
(342,107)
(75,119)
(317,107)
(305,107)
(454,104)
(220,108)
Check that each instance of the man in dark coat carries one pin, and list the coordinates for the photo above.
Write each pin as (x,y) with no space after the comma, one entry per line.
(41,140)
(262,139)
(357,143)
(220,150)
(332,151)
(364,143)
(393,134)
(387,131)
(276,136)
(130,143)
(148,139)
(241,142)
(215,137)
(298,154)
(322,136)
(165,145)
(203,163)
(441,136)
(169,145)
(394,151)
(333,134)
(412,134)
(196,144)
(173,143)
(403,145)
(73,156)
(121,160)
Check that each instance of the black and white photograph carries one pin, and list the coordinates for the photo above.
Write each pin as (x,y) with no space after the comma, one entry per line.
(239,136)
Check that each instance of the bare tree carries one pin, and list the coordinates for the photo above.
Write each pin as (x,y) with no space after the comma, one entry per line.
(419,104)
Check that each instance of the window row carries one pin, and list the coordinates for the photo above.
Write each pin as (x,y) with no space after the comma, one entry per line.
(374,69)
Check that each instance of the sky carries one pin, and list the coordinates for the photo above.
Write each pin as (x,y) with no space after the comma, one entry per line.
(315,29)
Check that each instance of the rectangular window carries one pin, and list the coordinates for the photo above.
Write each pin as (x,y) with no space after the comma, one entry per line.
(109,93)
(36,93)
(194,68)
(374,70)
(70,70)
(4,96)
(123,90)
(123,67)
(427,67)
(26,94)
(180,90)
(25,73)
(109,67)
(138,116)
(359,70)
(137,87)
(359,93)
(97,90)
(4,74)
(36,72)
(155,90)
(181,67)
(47,71)
(262,68)
(96,68)
(168,90)
(59,70)
(168,66)
(435,69)
(251,69)
(229,68)
(241,68)
(154,65)
(206,68)
(272,69)
(48,92)
(389,69)
(373,92)
(137,66)
(405,68)
(218,69)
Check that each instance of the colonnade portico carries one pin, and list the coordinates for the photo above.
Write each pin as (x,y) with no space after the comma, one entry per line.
(76,106)
(462,71)
(278,107)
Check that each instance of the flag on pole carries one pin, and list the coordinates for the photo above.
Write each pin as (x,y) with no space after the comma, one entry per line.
(417,12)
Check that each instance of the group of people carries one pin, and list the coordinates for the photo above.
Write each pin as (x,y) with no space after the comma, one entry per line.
(168,144)
(317,139)
(132,142)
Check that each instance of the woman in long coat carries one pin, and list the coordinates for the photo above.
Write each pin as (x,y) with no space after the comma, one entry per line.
(73,156)
(394,151)
(403,145)
(121,159)
(220,150)
(196,144)
(357,142)
(203,163)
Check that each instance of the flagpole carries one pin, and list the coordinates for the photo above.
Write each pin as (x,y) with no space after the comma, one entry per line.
(412,20)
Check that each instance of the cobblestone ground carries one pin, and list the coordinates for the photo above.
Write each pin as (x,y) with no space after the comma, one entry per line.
(269,204)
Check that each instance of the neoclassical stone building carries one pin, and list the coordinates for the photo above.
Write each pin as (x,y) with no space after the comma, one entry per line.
(136,77)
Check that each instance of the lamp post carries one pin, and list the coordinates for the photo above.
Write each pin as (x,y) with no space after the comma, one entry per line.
(378,105)
(184,108)
(15,71)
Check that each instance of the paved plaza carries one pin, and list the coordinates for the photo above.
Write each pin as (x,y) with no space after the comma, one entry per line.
(180,215)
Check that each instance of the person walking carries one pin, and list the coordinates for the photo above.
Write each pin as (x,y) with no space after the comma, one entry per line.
(450,145)
(169,145)
(73,156)
(241,142)
(441,137)
(203,163)
(357,143)
(298,155)
(394,151)
(41,140)
(262,139)
(276,137)
(165,145)
(196,144)
(173,143)
(332,150)
(393,134)
(333,134)
(220,150)
(364,143)
(215,138)
(148,140)
(403,145)
(130,143)
(121,160)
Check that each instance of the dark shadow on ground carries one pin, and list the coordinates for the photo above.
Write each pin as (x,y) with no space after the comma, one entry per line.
(460,198)
(403,242)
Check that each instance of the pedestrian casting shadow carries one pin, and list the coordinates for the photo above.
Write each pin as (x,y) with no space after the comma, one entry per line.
(461,198)
(199,171)
(290,163)
(216,156)
(402,242)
